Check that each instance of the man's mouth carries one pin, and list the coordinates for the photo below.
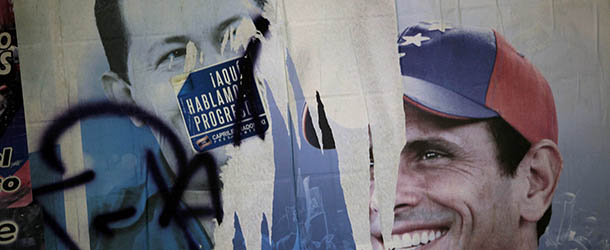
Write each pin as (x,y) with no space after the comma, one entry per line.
(416,239)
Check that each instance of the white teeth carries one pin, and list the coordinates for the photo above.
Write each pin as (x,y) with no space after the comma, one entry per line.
(431,236)
(424,238)
(395,238)
(406,240)
(415,239)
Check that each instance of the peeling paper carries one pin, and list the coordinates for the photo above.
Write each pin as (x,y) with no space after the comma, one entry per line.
(191,57)
(238,36)
(337,48)
(256,154)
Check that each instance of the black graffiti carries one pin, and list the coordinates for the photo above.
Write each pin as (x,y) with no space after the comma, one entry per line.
(100,222)
(171,197)
(86,176)
(248,89)
(57,229)
(186,169)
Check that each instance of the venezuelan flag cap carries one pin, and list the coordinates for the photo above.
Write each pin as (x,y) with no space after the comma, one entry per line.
(469,73)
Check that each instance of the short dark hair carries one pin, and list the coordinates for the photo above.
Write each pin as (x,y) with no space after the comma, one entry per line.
(113,33)
(111,27)
(512,147)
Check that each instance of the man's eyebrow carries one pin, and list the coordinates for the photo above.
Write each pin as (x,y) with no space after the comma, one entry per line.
(172,39)
(176,39)
(419,145)
(218,34)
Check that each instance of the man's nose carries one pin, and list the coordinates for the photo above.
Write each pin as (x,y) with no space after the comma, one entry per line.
(409,187)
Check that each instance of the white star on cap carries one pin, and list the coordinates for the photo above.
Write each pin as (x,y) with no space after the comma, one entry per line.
(439,26)
(417,39)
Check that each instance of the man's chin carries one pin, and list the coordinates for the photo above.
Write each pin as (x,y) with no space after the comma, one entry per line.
(199,180)
(220,156)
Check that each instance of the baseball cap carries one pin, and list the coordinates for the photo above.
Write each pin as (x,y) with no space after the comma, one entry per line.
(471,73)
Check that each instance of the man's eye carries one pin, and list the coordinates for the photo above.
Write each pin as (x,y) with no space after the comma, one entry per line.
(171,56)
(431,155)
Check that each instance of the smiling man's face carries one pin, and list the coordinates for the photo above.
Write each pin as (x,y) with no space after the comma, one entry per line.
(158,33)
(451,193)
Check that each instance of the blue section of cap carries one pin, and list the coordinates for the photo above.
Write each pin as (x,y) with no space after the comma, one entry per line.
(443,100)
(458,59)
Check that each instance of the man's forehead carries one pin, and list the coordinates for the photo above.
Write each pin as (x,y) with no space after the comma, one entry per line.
(160,18)
(421,125)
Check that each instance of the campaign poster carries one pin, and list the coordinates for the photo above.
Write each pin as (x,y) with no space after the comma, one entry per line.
(567,42)
(15,185)
(295,177)
(296,105)
(21,228)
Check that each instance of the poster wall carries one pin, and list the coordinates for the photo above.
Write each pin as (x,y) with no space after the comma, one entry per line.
(142,102)
(20,221)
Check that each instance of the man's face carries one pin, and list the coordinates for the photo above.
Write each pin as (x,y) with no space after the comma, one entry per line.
(158,32)
(451,193)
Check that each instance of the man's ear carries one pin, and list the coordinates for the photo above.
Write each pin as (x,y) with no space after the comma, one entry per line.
(118,90)
(539,170)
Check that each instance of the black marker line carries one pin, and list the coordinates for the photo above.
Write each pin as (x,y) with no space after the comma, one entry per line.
(248,89)
(100,222)
(201,160)
(56,228)
(85,177)
(80,112)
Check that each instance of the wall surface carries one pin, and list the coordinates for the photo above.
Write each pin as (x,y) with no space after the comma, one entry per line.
(329,99)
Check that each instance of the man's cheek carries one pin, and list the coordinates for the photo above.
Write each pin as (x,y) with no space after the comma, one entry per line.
(157,96)
(162,101)
(454,194)
(444,183)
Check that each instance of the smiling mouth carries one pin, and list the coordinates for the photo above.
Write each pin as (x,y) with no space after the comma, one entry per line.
(416,239)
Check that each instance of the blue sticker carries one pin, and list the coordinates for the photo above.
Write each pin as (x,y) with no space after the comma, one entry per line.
(208,99)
